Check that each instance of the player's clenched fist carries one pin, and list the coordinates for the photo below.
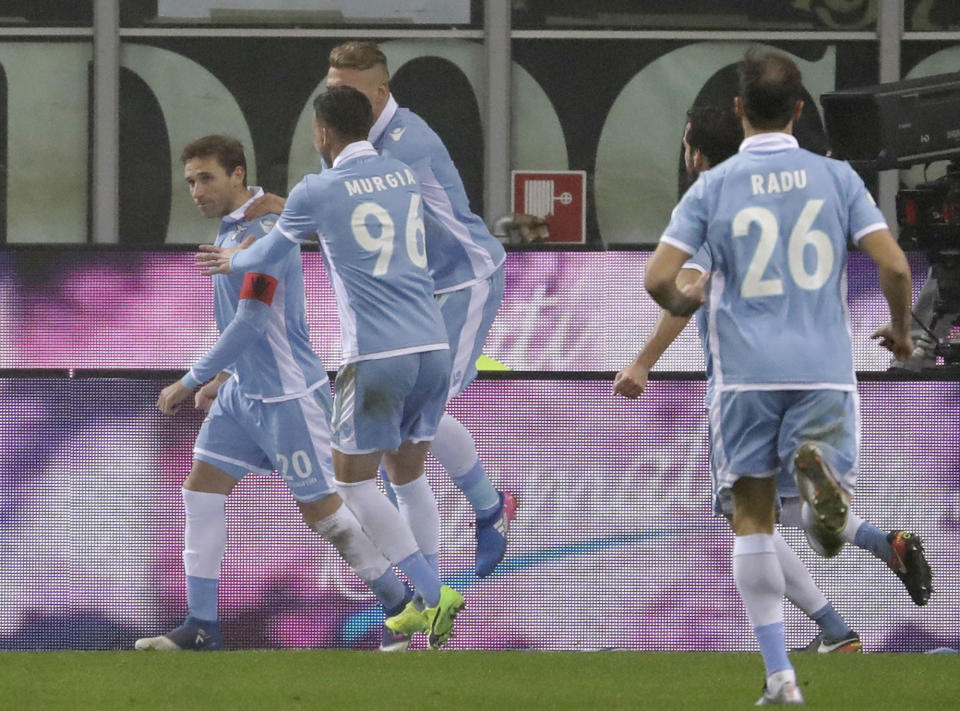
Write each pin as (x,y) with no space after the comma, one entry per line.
(171,397)
(631,381)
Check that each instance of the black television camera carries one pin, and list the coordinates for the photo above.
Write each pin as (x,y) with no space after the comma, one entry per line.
(897,125)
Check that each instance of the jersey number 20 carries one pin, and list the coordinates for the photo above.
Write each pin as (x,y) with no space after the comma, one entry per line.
(384,243)
(801,237)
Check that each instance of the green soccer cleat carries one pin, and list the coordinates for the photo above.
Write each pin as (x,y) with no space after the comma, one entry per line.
(410,620)
(440,618)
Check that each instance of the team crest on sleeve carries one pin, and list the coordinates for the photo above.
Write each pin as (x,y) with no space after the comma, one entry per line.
(397,133)
(258,286)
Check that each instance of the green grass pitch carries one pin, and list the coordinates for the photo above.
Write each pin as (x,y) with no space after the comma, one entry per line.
(343,680)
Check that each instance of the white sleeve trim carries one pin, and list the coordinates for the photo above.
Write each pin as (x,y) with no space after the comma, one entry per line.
(290,235)
(674,242)
(868,229)
(695,267)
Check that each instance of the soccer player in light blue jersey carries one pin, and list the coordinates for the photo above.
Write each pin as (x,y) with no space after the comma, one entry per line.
(466,263)
(391,389)
(269,403)
(776,221)
(711,136)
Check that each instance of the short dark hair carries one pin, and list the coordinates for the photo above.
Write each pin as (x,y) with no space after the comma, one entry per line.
(715,132)
(227,150)
(345,110)
(770,87)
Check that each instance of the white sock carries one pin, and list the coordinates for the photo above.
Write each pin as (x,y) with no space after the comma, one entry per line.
(798,584)
(343,531)
(382,523)
(419,507)
(204,533)
(851,527)
(454,447)
(759,578)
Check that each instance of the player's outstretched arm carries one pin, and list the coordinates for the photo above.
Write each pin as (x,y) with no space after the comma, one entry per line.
(248,324)
(249,256)
(897,287)
(632,380)
(264,205)
(211,259)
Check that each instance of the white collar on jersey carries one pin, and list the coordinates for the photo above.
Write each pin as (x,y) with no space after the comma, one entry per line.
(237,215)
(386,116)
(355,150)
(769,142)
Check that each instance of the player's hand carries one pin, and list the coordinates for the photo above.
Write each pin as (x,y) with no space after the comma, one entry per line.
(692,297)
(212,260)
(264,205)
(896,341)
(171,397)
(631,381)
(205,396)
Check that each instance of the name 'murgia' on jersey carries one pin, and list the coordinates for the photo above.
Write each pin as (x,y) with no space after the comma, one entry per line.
(378,183)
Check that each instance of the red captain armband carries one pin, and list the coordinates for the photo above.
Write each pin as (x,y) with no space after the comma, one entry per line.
(259,287)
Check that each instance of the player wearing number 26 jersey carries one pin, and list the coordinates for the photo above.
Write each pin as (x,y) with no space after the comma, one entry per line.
(776,220)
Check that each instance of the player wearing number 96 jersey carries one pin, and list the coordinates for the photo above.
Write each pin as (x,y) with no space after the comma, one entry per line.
(391,389)
(776,220)
(368,214)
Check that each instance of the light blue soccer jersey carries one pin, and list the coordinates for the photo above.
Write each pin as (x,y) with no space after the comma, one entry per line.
(777,220)
(460,248)
(368,213)
(264,342)
(703,262)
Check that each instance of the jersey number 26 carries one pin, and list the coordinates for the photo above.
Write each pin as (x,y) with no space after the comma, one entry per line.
(801,237)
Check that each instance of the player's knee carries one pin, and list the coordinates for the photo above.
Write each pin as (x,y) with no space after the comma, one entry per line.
(754,509)
(313,512)
(206,478)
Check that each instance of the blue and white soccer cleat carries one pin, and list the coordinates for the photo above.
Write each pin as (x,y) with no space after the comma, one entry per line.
(492,532)
(193,634)
(781,689)
(391,641)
